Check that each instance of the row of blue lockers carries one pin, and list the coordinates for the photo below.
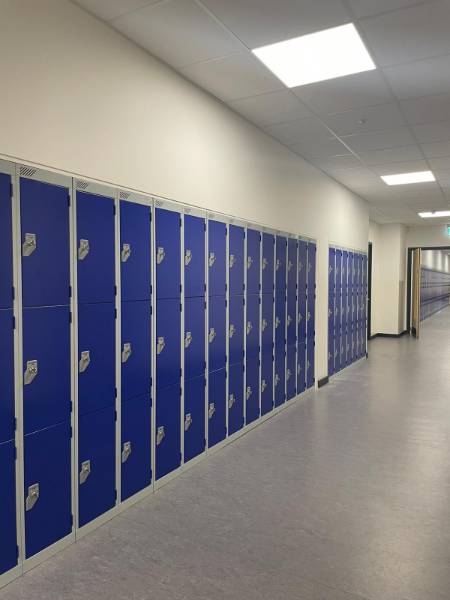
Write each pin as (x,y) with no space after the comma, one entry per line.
(434,291)
(134,335)
(347,308)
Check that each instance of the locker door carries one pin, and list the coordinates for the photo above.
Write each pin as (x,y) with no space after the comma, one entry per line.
(7,376)
(292,267)
(217,429)
(168,434)
(266,381)
(311,300)
(97,464)
(280,264)
(168,248)
(217,233)
(194,337)
(252,326)
(338,313)
(267,323)
(96,248)
(44,214)
(217,333)
(291,320)
(310,344)
(268,251)
(253,261)
(301,366)
(135,251)
(96,357)
(136,349)
(194,256)
(302,289)
(344,307)
(291,361)
(331,294)
(236,398)
(168,343)
(6,255)
(280,376)
(252,390)
(194,418)
(8,540)
(280,319)
(136,445)
(46,391)
(237,236)
(47,487)
(236,330)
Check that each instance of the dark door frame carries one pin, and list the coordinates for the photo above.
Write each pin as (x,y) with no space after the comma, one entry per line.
(369,291)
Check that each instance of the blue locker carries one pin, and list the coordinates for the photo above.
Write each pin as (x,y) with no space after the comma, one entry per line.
(301,366)
(194,337)
(168,343)
(46,358)
(252,390)
(8,540)
(354,342)
(7,378)
(338,313)
(136,456)
(194,418)
(135,251)
(236,260)
(280,376)
(280,264)
(252,326)
(291,365)
(266,381)
(280,319)
(311,300)
(217,333)
(47,487)
(194,256)
(6,262)
(344,307)
(96,357)
(168,430)
(291,322)
(268,252)
(331,296)
(96,248)
(44,214)
(302,289)
(96,464)
(136,349)
(310,345)
(253,261)
(267,342)
(236,398)
(217,429)
(292,267)
(236,330)
(217,241)
(168,249)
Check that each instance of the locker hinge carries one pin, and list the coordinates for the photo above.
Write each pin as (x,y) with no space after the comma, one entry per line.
(68,199)
(17,552)
(115,495)
(181,222)
(115,290)
(115,314)
(71,521)
(15,453)
(15,423)
(70,317)
(14,322)
(70,291)
(114,209)
(71,433)
(11,189)
(13,293)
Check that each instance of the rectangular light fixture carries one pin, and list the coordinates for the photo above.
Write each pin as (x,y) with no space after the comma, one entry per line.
(317,56)
(434,214)
(404,178)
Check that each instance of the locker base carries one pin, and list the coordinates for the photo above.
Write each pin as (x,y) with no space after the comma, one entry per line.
(136,498)
(9,576)
(44,555)
(182,469)
(355,362)
(101,520)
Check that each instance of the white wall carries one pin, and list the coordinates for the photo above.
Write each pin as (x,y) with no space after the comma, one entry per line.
(427,235)
(439,260)
(81,98)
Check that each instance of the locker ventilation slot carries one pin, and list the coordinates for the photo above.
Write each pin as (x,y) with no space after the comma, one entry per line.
(124,195)
(82,185)
(27,171)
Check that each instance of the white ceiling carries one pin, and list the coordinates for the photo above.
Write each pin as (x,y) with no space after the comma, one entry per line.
(391,120)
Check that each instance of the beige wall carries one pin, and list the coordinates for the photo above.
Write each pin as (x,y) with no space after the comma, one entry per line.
(81,98)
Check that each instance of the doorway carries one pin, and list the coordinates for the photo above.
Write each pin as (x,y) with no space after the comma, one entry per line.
(369,291)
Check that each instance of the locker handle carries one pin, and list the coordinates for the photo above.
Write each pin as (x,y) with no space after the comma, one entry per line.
(264,263)
(249,327)
(289,320)
(212,335)
(85,471)
(231,400)
(277,322)
(126,253)
(211,410)
(263,324)
(277,264)
(300,266)
(187,339)
(211,259)
(160,345)
(290,265)
(187,257)
(288,374)
(249,262)
(33,496)
(85,361)
(231,330)
(187,421)
(308,316)
(160,255)
(126,452)
(248,392)
(329,312)
(160,435)
(29,245)
(83,249)
(31,371)
(263,386)
(126,352)
(232,260)
(277,379)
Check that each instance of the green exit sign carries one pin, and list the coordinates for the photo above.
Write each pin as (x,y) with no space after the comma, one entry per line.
(448,230)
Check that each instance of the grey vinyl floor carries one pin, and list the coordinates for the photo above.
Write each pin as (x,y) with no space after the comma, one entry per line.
(343,496)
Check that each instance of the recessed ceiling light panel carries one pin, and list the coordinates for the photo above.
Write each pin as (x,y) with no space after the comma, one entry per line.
(317,56)
(434,214)
(404,178)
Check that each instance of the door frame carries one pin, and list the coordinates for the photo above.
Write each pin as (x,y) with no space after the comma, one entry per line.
(369,290)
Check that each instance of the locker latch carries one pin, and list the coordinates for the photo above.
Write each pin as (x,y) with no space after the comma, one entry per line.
(33,496)
(211,259)
(263,386)
(300,316)
(212,335)
(290,265)
(277,379)
(231,400)
(308,269)
(289,320)
(329,355)
(85,471)
(308,364)
(264,263)
(160,255)
(308,315)
(126,451)
(29,245)
(288,374)
(330,270)
(300,266)
(249,262)
(187,257)
(329,312)
(85,361)
(263,324)
(211,410)
(277,264)
(83,249)
(187,421)
(187,339)
(232,260)
(248,392)
(335,353)
(231,330)
(299,369)
(31,371)
(126,352)
(249,327)
(160,345)
(277,322)
(126,252)
(160,435)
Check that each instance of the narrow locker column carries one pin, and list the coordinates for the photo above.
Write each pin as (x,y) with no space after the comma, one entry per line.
(46,348)
(344,354)
(194,334)
(301,315)
(217,347)
(135,350)
(291,319)
(364,306)
(280,319)
(236,328)
(311,318)
(168,223)
(96,293)
(267,322)
(252,326)
(337,312)
(331,299)
(351,318)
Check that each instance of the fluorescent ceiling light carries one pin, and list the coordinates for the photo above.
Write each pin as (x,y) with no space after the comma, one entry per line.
(317,56)
(434,214)
(403,178)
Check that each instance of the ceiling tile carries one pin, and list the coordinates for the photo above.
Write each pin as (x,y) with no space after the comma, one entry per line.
(440,164)
(401,167)
(345,93)
(296,131)
(233,77)
(338,163)
(178,32)
(421,78)
(261,22)
(413,33)
(109,9)
(310,149)
(379,140)
(361,120)
(269,109)
(432,132)
(400,154)
(356,176)
(436,149)
(427,108)
(369,8)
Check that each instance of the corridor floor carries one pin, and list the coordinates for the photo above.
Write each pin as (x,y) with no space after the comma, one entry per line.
(344,496)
